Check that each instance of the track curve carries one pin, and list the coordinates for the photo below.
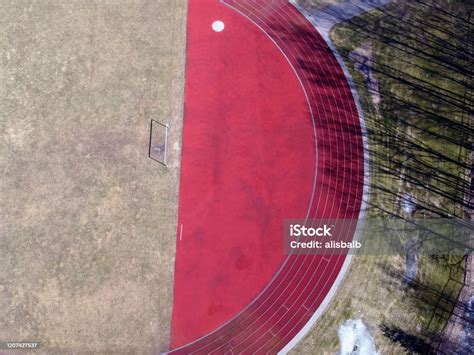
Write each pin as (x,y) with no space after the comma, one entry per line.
(285,305)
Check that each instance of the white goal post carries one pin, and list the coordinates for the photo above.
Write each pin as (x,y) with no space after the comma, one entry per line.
(158,144)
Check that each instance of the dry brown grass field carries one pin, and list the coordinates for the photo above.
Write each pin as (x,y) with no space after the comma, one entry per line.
(88,222)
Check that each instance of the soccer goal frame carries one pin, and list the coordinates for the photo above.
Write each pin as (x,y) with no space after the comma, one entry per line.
(158,143)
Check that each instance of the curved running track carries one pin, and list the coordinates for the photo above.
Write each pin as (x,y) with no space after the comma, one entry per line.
(313,162)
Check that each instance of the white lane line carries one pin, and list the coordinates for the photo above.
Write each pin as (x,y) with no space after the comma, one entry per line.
(181,232)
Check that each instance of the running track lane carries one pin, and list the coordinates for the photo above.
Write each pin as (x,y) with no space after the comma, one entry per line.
(276,310)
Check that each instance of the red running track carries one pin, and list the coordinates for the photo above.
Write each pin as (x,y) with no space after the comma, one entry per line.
(250,159)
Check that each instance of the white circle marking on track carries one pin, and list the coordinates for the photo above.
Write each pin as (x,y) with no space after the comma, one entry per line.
(218,26)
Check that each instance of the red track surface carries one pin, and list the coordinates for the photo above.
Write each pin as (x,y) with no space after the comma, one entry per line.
(248,163)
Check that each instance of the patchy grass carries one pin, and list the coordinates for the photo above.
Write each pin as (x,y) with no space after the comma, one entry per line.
(88,221)
(420,139)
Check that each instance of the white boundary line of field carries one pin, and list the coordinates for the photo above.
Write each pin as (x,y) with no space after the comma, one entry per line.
(323,21)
